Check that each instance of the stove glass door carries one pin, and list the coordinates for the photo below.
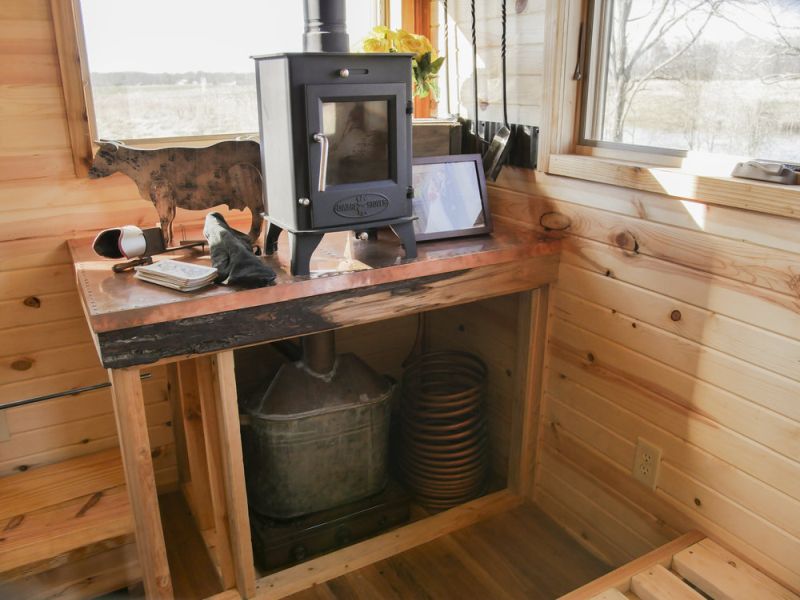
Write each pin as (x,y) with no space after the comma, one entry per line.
(358,138)
(358,153)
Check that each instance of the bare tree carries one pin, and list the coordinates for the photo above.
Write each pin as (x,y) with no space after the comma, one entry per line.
(627,72)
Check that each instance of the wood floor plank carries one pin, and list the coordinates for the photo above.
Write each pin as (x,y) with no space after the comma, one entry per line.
(657,583)
(520,553)
(725,576)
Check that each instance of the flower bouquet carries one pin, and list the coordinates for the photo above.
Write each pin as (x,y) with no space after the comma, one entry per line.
(425,63)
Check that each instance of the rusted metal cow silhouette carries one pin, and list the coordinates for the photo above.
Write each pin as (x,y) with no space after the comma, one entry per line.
(193,178)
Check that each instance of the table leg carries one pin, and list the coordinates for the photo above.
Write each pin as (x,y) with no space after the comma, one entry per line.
(233,470)
(137,463)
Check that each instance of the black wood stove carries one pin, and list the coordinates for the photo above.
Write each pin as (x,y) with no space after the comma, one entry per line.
(335,138)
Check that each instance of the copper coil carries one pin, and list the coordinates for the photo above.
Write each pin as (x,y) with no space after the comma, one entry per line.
(444,457)
(449,447)
(444,426)
(471,473)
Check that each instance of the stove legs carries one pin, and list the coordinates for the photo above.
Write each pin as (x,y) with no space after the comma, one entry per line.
(271,238)
(303,243)
(302,246)
(405,231)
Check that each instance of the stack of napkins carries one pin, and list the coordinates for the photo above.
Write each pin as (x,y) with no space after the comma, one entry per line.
(177,275)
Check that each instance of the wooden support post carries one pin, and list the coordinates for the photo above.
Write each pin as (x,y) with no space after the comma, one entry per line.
(215,449)
(197,489)
(531,341)
(174,396)
(233,469)
(139,477)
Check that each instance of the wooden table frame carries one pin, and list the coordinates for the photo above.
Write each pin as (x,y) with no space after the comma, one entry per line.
(202,390)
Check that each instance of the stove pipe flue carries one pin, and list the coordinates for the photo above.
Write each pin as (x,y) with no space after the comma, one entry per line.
(325,26)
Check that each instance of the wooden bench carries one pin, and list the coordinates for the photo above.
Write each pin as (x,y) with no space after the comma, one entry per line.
(63,513)
(692,567)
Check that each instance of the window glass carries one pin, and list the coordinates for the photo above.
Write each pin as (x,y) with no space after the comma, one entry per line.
(182,67)
(720,76)
(358,132)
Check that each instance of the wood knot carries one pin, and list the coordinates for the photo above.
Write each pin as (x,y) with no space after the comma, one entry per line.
(698,502)
(590,357)
(22,364)
(14,522)
(627,241)
(675,315)
(555,221)
(32,302)
(92,501)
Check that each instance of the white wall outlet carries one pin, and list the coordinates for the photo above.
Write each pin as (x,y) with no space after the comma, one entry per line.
(647,463)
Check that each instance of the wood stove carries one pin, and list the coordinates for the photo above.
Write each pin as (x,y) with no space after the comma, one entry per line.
(335,139)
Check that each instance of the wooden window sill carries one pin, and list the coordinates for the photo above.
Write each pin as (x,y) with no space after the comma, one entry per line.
(783,200)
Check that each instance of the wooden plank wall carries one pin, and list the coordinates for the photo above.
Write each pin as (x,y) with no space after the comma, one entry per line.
(525,58)
(487,329)
(677,322)
(45,346)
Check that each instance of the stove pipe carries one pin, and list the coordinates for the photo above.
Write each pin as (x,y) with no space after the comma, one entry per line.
(325,26)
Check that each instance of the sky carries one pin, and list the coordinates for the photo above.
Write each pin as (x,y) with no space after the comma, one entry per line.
(175,36)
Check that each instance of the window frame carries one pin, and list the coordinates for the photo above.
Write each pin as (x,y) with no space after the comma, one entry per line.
(77,89)
(563,152)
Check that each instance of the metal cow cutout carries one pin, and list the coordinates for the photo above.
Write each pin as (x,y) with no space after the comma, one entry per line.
(192,178)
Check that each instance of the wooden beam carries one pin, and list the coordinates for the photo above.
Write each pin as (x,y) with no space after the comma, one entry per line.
(531,340)
(74,80)
(621,578)
(227,416)
(138,466)
(416,18)
(560,101)
(352,558)
(215,451)
(771,198)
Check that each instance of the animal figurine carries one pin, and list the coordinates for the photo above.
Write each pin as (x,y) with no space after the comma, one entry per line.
(193,178)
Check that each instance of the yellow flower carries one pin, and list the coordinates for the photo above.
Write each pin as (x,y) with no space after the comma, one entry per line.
(376,45)
(408,42)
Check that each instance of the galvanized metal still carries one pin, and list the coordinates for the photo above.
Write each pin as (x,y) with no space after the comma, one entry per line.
(318,437)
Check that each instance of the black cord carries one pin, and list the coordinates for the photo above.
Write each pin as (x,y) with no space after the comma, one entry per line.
(503,56)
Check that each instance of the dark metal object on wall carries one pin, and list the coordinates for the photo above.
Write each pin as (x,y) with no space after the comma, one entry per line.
(444,452)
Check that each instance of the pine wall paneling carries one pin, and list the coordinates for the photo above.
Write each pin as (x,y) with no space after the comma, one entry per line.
(677,322)
(525,58)
(45,347)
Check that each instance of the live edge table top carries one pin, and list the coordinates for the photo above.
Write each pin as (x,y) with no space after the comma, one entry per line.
(352,282)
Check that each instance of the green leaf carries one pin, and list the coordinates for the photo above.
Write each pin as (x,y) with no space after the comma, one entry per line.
(437,64)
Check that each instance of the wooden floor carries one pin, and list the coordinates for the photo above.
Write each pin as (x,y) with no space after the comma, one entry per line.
(521,554)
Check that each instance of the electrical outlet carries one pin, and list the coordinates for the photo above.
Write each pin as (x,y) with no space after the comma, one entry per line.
(647,463)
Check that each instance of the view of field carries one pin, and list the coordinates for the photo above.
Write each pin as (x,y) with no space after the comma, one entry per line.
(719,76)
(737,117)
(189,106)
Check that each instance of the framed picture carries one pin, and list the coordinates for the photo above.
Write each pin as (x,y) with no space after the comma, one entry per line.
(450,197)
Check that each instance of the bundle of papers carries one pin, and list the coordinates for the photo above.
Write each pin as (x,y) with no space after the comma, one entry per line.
(177,275)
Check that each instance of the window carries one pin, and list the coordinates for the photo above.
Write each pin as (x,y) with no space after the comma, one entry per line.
(181,68)
(710,76)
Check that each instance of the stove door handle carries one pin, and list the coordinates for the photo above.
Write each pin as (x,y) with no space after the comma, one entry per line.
(323,159)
